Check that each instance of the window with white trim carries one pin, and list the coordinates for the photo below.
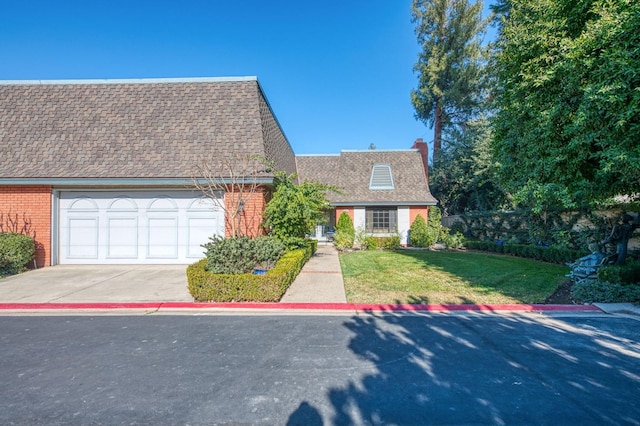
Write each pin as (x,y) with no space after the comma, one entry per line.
(381,220)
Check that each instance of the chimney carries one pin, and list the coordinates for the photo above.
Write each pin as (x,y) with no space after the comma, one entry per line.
(421,146)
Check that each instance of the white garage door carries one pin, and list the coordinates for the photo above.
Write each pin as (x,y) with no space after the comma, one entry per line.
(136,227)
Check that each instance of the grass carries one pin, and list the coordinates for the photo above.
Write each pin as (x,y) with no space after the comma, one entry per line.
(446,277)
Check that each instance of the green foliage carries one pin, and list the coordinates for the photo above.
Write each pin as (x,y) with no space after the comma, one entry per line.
(369,242)
(391,242)
(419,233)
(434,226)
(568,107)
(294,209)
(206,286)
(449,64)
(343,240)
(16,250)
(345,234)
(593,291)
(629,273)
(241,254)
(463,177)
(345,224)
(453,240)
(544,254)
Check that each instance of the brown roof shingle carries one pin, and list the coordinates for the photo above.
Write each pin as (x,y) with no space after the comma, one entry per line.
(134,129)
(351,172)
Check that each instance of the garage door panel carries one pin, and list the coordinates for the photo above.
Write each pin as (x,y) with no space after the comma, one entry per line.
(163,238)
(82,238)
(199,231)
(122,238)
(136,226)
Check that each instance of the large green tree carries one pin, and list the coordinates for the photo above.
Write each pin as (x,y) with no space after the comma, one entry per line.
(463,178)
(567,128)
(449,64)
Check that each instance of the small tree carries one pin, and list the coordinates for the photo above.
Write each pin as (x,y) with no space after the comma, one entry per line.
(419,232)
(345,232)
(294,209)
(232,184)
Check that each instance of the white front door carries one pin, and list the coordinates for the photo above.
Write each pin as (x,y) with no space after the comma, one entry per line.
(136,226)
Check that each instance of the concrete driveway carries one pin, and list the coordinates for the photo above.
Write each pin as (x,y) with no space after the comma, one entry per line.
(97,283)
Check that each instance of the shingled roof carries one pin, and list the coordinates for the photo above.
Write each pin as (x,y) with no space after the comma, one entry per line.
(134,129)
(351,172)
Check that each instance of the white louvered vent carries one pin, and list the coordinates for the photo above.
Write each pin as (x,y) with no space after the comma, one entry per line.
(381,177)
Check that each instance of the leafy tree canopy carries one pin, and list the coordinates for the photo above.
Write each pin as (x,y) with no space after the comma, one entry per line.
(450,63)
(294,209)
(568,123)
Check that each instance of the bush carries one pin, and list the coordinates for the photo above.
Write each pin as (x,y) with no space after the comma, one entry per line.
(16,251)
(419,233)
(241,254)
(545,254)
(206,286)
(591,291)
(391,243)
(625,274)
(345,232)
(452,240)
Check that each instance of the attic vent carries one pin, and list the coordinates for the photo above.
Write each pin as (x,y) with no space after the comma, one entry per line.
(381,177)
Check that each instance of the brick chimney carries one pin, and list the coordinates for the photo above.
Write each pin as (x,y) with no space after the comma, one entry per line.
(421,146)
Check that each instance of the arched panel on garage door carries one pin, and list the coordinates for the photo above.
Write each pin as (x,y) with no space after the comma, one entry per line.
(80,230)
(122,228)
(162,228)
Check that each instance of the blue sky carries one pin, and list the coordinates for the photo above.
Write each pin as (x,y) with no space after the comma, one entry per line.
(337,73)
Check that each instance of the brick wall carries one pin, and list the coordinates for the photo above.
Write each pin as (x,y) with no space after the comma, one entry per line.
(250,220)
(32,207)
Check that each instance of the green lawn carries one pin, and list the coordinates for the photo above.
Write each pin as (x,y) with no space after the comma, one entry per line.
(446,277)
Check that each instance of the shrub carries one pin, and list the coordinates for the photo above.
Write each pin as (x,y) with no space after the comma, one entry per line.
(206,286)
(391,243)
(369,242)
(452,240)
(545,254)
(241,254)
(345,232)
(625,274)
(591,291)
(418,232)
(16,250)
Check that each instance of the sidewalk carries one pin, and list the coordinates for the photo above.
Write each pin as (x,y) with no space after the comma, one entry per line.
(320,280)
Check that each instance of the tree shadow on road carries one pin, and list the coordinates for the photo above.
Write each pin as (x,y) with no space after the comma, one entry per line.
(476,368)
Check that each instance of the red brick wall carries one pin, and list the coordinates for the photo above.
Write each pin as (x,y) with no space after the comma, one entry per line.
(32,205)
(250,220)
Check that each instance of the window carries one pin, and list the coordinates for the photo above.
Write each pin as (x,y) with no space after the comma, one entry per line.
(381,220)
(381,177)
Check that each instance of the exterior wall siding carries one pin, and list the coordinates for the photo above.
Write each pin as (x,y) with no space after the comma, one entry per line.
(32,207)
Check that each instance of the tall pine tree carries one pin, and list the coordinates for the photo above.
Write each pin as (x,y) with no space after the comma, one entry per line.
(450,63)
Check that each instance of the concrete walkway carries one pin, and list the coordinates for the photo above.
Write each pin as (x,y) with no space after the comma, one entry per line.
(320,280)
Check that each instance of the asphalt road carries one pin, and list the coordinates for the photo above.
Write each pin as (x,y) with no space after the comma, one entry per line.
(314,370)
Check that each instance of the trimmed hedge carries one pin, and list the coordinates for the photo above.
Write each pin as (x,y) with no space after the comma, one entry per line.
(16,250)
(545,254)
(205,286)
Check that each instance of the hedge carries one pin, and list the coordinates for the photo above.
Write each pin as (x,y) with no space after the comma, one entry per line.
(545,254)
(16,250)
(205,286)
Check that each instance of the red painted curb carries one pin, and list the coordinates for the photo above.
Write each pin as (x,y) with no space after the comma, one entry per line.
(300,306)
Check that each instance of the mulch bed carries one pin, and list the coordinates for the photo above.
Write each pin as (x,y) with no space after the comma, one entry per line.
(562,295)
